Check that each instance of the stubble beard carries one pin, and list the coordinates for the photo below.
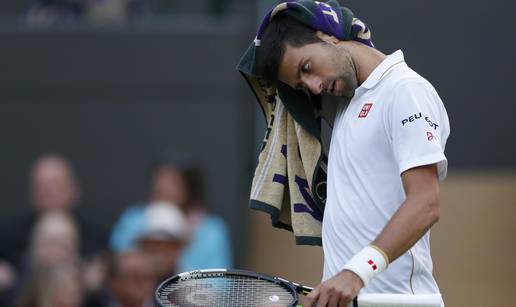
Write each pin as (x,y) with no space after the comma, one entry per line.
(348,72)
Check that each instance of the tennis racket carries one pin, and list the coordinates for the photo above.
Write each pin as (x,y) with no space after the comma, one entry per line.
(238,288)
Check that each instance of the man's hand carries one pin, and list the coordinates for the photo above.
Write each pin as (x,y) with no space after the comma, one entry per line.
(338,291)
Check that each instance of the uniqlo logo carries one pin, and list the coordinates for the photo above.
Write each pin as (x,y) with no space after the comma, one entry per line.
(365,110)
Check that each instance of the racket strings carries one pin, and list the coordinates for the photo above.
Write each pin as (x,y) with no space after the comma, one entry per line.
(225,291)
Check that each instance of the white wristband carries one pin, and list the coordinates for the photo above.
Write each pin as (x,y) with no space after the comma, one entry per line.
(367,263)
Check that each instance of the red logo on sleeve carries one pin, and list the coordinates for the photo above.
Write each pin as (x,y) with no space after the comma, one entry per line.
(429,136)
(365,110)
(372,264)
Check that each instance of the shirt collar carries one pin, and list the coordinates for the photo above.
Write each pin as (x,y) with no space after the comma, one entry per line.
(391,61)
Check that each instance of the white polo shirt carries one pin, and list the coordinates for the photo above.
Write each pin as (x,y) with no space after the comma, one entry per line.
(395,121)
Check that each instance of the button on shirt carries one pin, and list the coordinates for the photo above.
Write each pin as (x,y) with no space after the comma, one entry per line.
(396,121)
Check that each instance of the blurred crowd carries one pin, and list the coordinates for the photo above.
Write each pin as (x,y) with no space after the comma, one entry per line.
(47,258)
(49,12)
(115,12)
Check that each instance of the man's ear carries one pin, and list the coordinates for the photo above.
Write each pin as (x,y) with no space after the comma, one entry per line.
(327,38)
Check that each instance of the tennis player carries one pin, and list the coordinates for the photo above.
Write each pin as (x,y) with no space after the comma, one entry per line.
(385,160)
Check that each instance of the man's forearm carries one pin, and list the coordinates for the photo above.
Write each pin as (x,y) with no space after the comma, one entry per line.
(415,216)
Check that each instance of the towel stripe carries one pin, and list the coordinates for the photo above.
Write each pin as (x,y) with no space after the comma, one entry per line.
(270,153)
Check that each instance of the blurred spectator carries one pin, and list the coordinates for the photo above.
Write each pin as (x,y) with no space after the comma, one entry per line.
(53,184)
(53,189)
(174,179)
(51,275)
(163,237)
(56,285)
(7,281)
(99,12)
(131,280)
(50,12)
(55,240)
(115,12)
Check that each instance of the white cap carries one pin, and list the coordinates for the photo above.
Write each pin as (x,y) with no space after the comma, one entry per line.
(164,221)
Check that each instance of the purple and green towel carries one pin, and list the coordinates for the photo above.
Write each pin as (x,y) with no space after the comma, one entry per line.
(290,180)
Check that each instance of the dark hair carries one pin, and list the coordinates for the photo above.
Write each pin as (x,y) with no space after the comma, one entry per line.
(189,169)
(282,30)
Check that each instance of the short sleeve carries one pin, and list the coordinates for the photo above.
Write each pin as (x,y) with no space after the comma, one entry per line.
(418,126)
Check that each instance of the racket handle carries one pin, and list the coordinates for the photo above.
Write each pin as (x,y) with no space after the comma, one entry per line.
(399,300)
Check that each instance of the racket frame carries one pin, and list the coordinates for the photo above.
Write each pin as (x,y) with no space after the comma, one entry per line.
(293,288)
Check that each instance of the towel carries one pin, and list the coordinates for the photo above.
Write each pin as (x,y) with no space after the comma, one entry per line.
(289,182)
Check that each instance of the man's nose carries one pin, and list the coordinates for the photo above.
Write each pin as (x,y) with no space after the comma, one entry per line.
(314,84)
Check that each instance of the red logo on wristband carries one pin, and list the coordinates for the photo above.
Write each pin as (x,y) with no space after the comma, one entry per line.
(372,264)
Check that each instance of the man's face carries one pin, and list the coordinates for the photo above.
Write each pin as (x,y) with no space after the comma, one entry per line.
(55,240)
(168,185)
(164,253)
(52,186)
(321,68)
(134,281)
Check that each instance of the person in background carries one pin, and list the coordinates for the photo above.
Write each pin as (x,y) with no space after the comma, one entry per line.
(96,12)
(163,237)
(51,12)
(175,179)
(56,285)
(131,280)
(53,184)
(51,274)
(115,12)
(55,240)
(7,281)
(53,187)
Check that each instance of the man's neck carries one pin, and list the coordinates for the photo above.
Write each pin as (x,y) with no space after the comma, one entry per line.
(365,58)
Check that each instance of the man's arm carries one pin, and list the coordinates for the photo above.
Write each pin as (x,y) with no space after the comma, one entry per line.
(416,215)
